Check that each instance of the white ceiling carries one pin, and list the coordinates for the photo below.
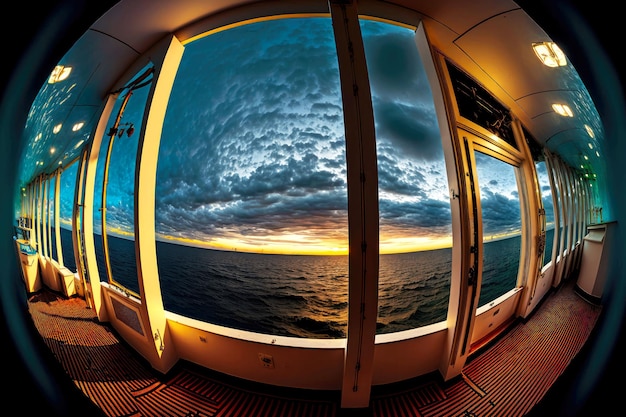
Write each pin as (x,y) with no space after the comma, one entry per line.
(491,38)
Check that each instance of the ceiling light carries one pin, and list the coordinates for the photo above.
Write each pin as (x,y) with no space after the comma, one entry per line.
(563,110)
(77,126)
(590,132)
(57,128)
(59,73)
(549,54)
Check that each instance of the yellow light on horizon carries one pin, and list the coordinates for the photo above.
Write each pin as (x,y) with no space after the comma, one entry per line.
(399,245)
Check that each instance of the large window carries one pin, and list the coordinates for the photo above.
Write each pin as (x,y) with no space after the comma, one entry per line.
(251,195)
(66,201)
(414,204)
(115,182)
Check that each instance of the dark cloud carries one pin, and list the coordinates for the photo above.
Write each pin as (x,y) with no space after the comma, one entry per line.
(407,218)
(264,133)
(401,96)
(499,197)
(255,148)
(409,130)
(395,180)
(499,213)
(393,63)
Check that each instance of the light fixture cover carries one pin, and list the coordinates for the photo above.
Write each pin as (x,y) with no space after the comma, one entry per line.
(563,110)
(550,54)
(59,73)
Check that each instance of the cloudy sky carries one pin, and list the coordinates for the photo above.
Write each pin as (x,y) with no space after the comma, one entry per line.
(252,155)
(499,197)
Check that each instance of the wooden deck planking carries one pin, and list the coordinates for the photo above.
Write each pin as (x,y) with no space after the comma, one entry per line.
(507,377)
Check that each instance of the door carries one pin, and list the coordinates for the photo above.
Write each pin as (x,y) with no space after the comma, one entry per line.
(501,226)
(498,217)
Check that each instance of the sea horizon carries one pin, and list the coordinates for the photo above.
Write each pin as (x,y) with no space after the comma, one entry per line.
(302,295)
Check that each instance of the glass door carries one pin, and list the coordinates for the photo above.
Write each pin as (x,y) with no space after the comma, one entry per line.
(501,226)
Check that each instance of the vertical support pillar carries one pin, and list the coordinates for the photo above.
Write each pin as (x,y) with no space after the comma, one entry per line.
(362,206)
(145,183)
(93,291)
(533,223)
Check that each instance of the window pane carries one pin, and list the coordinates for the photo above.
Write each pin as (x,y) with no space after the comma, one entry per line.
(68,188)
(548,205)
(414,203)
(251,197)
(564,201)
(122,139)
(97,200)
(51,224)
(501,217)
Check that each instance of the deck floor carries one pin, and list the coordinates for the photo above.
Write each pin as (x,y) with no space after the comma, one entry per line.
(506,378)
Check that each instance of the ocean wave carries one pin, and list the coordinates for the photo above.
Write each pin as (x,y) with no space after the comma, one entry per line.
(304,296)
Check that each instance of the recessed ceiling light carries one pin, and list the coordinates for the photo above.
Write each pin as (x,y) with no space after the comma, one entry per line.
(549,54)
(59,73)
(57,128)
(77,126)
(562,109)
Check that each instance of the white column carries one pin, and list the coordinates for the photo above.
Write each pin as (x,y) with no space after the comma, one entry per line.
(362,206)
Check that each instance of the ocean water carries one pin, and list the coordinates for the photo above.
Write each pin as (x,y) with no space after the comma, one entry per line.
(67,248)
(304,295)
(298,295)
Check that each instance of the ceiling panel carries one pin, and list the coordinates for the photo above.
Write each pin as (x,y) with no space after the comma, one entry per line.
(458,16)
